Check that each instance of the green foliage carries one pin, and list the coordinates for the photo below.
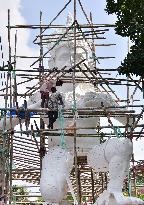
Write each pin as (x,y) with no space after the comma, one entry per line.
(133,63)
(20,190)
(130,14)
(141,196)
(69,197)
(130,23)
(140,180)
(39,199)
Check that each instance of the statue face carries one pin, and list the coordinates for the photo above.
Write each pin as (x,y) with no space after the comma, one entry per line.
(64,55)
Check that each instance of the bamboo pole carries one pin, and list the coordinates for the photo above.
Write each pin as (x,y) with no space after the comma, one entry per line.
(42,125)
(71,33)
(8,174)
(92,182)
(93,49)
(74,110)
(15,81)
(27,26)
(52,133)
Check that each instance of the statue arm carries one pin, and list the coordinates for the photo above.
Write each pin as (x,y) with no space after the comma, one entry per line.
(5,124)
(122,119)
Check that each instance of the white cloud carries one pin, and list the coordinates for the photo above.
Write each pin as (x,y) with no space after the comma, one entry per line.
(15,18)
(23,36)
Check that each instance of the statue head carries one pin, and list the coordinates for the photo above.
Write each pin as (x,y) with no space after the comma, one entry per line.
(69,19)
(63,53)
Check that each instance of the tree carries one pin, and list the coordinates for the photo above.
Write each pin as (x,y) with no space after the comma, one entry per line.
(130,23)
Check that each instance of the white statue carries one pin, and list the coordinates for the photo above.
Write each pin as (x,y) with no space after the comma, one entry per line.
(86,96)
(69,19)
(56,167)
(114,156)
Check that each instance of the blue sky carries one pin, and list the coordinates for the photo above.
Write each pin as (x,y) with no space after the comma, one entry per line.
(30,11)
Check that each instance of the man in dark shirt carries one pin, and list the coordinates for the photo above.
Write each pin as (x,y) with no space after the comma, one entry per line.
(55,99)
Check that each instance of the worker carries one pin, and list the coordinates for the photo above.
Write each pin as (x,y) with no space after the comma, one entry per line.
(45,89)
(55,99)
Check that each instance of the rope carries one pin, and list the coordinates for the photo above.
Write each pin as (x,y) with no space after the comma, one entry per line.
(14,74)
(94,57)
(14,199)
(74,108)
(117,132)
(61,121)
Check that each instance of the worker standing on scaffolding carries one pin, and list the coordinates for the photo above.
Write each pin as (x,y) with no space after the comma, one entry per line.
(45,89)
(55,99)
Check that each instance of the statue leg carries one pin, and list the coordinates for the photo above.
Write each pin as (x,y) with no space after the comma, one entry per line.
(118,168)
(50,116)
(117,153)
(56,166)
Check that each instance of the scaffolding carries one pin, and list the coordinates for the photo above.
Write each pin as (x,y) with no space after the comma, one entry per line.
(22,150)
